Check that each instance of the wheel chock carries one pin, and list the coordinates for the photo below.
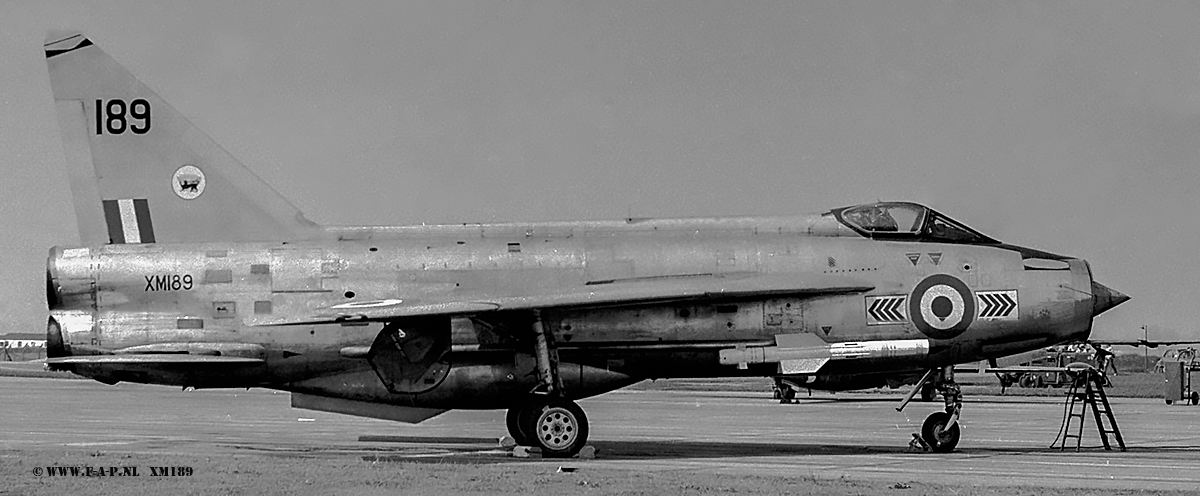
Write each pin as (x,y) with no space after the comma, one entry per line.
(918,444)
(526,452)
(587,453)
(507,442)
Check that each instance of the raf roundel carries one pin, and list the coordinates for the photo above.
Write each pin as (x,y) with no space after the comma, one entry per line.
(188,182)
(942,306)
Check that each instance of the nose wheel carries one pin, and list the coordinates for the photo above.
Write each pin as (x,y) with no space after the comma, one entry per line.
(936,434)
(940,430)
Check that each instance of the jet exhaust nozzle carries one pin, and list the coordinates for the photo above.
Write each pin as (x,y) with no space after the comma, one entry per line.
(1104,298)
(55,345)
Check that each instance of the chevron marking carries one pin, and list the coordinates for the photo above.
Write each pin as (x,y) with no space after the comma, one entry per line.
(998,305)
(883,310)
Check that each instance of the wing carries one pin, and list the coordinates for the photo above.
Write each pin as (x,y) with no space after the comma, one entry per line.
(1139,342)
(607,293)
(1034,369)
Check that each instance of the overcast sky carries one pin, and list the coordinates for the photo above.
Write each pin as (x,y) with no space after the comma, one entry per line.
(1072,127)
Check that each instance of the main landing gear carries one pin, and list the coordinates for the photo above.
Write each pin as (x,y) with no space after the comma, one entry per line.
(785,391)
(549,421)
(940,431)
(557,426)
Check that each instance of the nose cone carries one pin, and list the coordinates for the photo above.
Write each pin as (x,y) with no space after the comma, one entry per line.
(1104,298)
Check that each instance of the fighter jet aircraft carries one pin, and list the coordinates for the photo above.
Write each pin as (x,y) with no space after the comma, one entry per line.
(196,273)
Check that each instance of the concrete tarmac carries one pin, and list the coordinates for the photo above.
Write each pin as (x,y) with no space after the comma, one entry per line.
(1005,440)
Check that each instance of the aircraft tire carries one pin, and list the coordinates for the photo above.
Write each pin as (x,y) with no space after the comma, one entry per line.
(938,439)
(1195,397)
(560,428)
(514,422)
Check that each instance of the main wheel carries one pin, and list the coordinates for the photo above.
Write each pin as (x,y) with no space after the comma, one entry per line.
(520,425)
(559,428)
(937,436)
(1195,397)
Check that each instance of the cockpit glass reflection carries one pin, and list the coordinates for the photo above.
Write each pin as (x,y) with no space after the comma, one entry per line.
(883,217)
(908,221)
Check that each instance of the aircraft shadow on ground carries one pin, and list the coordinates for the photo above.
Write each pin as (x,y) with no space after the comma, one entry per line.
(468,449)
(1013,399)
(693,449)
(625,450)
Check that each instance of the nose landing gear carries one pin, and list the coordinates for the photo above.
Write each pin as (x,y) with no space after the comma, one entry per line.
(940,431)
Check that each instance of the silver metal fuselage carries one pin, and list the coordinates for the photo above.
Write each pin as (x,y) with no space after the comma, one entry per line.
(227,299)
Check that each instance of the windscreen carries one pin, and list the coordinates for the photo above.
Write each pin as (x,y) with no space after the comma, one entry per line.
(886,217)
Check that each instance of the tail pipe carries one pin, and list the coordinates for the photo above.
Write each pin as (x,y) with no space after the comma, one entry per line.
(56,346)
(71,301)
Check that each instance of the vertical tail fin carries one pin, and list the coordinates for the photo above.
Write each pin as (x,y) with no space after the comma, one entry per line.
(141,173)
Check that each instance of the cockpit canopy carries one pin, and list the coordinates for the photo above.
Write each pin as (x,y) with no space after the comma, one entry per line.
(902,221)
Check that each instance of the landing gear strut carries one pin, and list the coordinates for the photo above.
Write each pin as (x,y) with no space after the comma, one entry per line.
(550,421)
(785,392)
(940,431)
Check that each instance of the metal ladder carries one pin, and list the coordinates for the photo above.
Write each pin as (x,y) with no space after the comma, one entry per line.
(1092,383)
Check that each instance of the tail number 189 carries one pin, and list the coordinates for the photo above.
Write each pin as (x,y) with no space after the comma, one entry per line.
(115,116)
